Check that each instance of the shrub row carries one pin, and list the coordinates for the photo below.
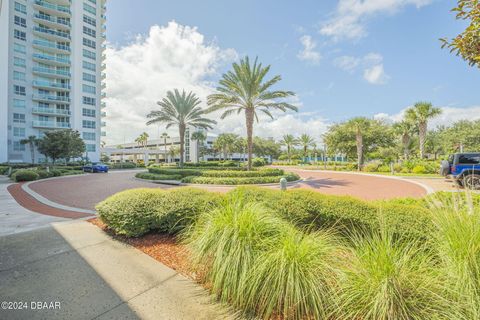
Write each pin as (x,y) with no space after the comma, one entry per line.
(223,164)
(137,211)
(268,172)
(154,176)
(40,173)
(239,180)
(122,165)
(179,172)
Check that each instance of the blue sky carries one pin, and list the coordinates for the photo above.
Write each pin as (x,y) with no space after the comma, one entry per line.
(343,58)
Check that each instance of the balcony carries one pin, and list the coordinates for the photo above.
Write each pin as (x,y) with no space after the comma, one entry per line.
(104,85)
(104,134)
(51,85)
(51,21)
(50,124)
(51,59)
(55,9)
(52,34)
(103,105)
(103,114)
(104,76)
(51,98)
(51,72)
(50,111)
(104,124)
(104,66)
(51,46)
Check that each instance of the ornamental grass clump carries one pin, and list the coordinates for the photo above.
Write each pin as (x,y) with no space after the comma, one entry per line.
(294,278)
(225,244)
(457,241)
(389,279)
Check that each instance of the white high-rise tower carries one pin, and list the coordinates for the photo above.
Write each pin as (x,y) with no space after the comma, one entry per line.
(51,63)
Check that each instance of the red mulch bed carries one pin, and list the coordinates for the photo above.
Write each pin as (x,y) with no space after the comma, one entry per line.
(161,247)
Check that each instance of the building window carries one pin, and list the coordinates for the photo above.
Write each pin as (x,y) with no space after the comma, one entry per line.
(88,124)
(89,66)
(89,32)
(19,90)
(89,77)
(17,103)
(88,112)
(20,35)
(18,132)
(89,54)
(89,136)
(18,118)
(89,9)
(19,21)
(89,20)
(19,62)
(89,101)
(20,48)
(89,43)
(20,76)
(93,1)
(17,146)
(91,147)
(20,7)
(88,89)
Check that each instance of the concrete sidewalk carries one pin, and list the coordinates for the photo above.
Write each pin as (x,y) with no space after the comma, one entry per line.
(15,218)
(92,276)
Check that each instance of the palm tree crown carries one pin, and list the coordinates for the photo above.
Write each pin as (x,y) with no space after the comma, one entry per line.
(420,113)
(182,110)
(306,142)
(244,89)
(289,141)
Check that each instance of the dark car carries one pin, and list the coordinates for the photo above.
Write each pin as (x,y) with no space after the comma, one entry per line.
(464,168)
(95,167)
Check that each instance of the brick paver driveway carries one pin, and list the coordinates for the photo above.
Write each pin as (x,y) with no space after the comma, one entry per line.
(87,190)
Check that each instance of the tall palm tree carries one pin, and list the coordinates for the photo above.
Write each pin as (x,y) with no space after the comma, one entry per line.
(359,126)
(306,142)
(200,138)
(226,143)
(32,142)
(244,89)
(182,110)
(420,114)
(290,142)
(405,130)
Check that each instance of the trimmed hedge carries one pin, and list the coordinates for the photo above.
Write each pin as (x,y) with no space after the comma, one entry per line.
(239,180)
(154,176)
(313,210)
(232,174)
(123,165)
(180,172)
(24,175)
(137,211)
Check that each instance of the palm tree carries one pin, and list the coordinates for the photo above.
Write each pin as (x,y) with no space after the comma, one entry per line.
(182,110)
(244,89)
(226,143)
(405,130)
(420,113)
(200,138)
(290,142)
(306,141)
(173,152)
(32,142)
(359,126)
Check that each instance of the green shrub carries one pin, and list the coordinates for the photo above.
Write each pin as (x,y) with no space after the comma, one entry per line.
(239,180)
(388,279)
(371,167)
(58,173)
(384,169)
(43,174)
(258,162)
(180,172)
(122,165)
(24,175)
(154,176)
(397,167)
(4,170)
(405,170)
(419,169)
(232,174)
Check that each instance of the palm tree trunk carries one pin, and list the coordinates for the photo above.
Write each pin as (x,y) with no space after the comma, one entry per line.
(406,143)
(182,142)
(359,140)
(249,117)
(422,133)
(289,155)
(32,152)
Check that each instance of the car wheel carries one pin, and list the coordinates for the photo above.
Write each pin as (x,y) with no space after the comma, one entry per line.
(472,181)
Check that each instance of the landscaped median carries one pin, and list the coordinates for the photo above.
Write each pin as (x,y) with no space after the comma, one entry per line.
(304,255)
(218,175)
(36,173)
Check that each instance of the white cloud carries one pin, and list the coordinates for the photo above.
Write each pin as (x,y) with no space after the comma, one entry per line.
(308,53)
(449,116)
(139,74)
(372,63)
(350,16)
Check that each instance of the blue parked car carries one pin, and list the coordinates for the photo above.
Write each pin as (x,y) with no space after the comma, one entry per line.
(464,168)
(95,167)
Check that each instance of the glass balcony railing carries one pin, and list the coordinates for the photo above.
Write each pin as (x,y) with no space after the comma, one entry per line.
(50,124)
(51,71)
(51,111)
(51,6)
(104,124)
(52,19)
(51,98)
(52,32)
(103,105)
(48,84)
(51,45)
(48,57)
(103,114)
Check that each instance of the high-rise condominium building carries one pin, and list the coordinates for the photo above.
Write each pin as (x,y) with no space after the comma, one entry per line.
(51,63)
